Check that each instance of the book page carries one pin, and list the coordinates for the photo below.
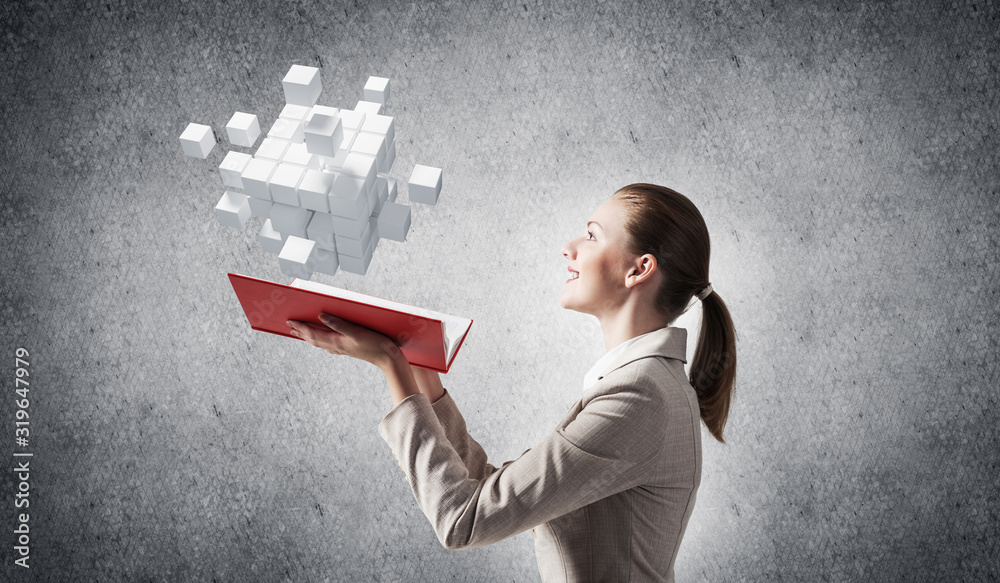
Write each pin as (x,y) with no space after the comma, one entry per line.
(454,326)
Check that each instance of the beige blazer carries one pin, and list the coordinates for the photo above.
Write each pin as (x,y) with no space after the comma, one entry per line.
(608,493)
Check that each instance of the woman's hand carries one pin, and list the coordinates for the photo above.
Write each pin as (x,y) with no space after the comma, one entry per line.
(347,338)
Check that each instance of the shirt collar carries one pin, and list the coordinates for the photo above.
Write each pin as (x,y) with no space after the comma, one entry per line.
(668,341)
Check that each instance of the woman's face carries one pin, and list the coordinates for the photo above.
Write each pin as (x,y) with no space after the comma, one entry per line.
(598,263)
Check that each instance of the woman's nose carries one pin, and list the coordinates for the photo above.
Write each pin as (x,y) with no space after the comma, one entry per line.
(567,249)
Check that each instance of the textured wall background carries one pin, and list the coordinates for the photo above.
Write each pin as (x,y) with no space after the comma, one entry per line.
(845,157)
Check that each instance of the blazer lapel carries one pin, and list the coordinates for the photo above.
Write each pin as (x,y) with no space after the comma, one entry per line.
(668,341)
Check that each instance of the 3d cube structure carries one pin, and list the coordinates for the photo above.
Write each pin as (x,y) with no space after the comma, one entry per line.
(319,179)
(243,129)
(197,140)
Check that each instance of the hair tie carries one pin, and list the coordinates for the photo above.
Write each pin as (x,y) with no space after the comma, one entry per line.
(704,293)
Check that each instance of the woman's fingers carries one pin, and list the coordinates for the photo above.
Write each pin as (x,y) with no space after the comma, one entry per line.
(328,340)
(333,322)
(299,330)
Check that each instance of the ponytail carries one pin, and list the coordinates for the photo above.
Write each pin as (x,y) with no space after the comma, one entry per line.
(713,368)
(665,223)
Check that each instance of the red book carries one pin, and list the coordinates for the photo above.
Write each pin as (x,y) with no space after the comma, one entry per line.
(427,338)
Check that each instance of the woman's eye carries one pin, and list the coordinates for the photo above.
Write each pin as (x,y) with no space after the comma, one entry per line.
(589,235)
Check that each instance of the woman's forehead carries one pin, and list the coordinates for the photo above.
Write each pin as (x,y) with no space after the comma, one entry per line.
(610,215)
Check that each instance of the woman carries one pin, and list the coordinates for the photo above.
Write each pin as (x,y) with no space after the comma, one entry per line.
(607,494)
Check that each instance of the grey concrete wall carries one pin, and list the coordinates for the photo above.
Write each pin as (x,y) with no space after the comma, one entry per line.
(845,157)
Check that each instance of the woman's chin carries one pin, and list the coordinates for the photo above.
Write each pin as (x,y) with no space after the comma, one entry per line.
(568,304)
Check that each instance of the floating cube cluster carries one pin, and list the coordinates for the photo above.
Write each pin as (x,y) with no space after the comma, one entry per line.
(320,178)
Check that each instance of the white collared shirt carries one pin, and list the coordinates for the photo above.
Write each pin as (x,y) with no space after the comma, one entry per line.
(598,369)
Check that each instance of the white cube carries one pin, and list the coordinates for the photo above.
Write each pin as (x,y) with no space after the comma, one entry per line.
(270,240)
(355,265)
(349,197)
(354,247)
(291,220)
(368,107)
(314,191)
(286,129)
(425,184)
(394,221)
(256,176)
(337,162)
(352,120)
(197,140)
(383,125)
(361,166)
(272,149)
(373,221)
(260,207)
(297,258)
(295,112)
(348,141)
(320,229)
(371,145)
(232,168)
(284,184)
(327,260)
(353,228)
(302,85)
(323,135)
(377,90)
(298,154)
(243,129)
(233,210)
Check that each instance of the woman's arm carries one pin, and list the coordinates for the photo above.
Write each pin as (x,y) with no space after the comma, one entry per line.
(429,383)
(468,449)
(404,380)
(611,445)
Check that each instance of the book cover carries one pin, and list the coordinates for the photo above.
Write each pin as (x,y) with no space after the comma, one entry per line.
(428,339)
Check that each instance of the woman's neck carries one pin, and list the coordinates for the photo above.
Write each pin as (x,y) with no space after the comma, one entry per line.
(628,322)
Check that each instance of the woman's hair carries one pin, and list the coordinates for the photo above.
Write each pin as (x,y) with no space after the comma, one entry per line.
(666,224)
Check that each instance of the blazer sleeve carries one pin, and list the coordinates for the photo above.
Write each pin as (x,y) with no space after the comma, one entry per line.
(607,448)
(467,448)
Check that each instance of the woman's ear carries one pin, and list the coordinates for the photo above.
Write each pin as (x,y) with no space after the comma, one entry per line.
(641,270)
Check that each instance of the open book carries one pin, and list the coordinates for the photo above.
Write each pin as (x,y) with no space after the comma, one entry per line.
(428,339)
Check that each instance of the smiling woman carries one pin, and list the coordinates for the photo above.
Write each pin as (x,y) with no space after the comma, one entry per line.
(609,492)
